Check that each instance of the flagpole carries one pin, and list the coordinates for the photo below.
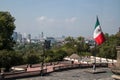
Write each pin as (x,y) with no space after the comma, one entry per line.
(94,54)
(99,39)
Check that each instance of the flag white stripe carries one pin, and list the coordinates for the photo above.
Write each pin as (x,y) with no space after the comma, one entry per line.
(97,31)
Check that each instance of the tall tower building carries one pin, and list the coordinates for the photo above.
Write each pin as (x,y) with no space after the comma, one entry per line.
(119,29)
(19,37)
(15,36)
(28,37)
(42,35)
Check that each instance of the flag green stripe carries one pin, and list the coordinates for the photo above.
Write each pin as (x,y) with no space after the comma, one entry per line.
(97,23)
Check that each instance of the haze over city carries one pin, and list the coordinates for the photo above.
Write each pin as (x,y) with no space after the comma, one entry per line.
(63,17)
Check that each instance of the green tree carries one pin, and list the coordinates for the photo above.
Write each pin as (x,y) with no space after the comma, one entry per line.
(31,57)
(69,46)
(9,58)
(49,56)
(59,55)
(108,49)
(6,30)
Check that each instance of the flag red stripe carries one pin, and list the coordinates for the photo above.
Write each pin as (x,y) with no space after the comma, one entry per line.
(100,39)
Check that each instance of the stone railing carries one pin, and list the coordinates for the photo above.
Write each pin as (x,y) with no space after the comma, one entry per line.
(57,67)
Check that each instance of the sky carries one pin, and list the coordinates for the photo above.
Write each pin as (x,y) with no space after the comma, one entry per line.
(63,17)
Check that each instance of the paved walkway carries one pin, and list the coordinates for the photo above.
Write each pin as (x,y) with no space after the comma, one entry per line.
(74,74)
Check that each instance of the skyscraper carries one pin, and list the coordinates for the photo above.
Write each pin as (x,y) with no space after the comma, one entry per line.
(28,38)
(19,37)
(15,36)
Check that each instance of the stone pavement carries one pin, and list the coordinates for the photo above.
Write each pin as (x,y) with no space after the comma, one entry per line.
(74,74)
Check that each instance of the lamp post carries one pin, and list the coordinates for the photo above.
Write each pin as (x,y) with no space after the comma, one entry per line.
(45,46)
(43,55)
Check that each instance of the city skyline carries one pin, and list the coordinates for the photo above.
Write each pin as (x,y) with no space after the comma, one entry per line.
(69,18)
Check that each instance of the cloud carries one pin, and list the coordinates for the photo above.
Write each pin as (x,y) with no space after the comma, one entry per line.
(71,20)
(45,19)
(42,18)
(54,22)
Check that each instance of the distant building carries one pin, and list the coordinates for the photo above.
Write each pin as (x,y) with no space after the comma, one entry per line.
(119,29)
(90,41)
(28,38)
(51,39)
(42,35)
(60,41)
(15,36)
(24,40)
(19,37)
(35,40)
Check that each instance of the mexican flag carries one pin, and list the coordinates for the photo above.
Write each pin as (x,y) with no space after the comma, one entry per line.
(98,34)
